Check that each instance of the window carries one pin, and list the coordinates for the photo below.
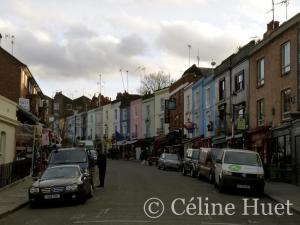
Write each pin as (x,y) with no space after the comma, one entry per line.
(135,111)
(286,57)
(286,103)
(207,97)
(239,81)
(162,104)
(25,80)
(260,72)
(148,110)
(2,143)
(124,114)
(116,114)
(188,103)
(222,89)
(161,123)
(106,115)
(260,112)
(197,101)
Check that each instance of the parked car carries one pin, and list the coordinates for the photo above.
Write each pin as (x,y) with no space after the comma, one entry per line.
(78,156)
(190,161)
(64,182)
(206,164)
(239,169)
(88,144)
(169,161)
(94,155)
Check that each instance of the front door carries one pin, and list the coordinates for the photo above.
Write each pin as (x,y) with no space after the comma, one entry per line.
(297,156)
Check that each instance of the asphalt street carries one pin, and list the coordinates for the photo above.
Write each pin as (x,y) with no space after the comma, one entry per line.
(129,185)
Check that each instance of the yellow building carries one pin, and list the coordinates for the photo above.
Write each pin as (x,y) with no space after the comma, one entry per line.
(8,123)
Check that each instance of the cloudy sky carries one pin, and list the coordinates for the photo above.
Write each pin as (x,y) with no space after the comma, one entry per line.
(68,43)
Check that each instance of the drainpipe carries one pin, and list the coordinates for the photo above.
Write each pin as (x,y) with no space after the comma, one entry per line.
(230,99)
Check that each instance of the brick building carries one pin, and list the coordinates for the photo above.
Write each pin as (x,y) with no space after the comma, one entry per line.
(18,84)
(274,101)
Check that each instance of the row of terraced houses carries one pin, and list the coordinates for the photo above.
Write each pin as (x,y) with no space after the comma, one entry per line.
(249,101)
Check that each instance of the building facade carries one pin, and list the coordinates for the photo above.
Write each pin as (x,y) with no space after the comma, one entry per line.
(148,119)
(136,119)
(160,97)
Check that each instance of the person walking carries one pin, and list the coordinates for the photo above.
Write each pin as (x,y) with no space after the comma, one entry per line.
(101,162)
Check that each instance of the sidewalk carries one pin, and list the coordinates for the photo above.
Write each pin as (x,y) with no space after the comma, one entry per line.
(14,196)
(281,192)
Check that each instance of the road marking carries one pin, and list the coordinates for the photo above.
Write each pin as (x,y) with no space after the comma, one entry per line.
(113,221)
(103,212)
(80,216)
(212,223)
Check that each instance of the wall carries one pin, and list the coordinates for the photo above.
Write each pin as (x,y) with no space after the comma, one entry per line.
(188,107)
(136,119)
(148,120)
(8,122)
(160,112)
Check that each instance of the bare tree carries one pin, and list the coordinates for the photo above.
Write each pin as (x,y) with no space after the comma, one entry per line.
(154,81)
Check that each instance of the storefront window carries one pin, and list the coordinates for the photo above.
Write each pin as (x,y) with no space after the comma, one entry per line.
(282,150)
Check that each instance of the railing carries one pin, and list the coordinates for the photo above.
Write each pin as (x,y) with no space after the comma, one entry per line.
(14,171)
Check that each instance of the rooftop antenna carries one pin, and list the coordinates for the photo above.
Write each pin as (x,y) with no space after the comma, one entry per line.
(122,78)
(272,10)
(198,57)
(7,36)
(286,2)
(12,44)
(127,81)
(189,46)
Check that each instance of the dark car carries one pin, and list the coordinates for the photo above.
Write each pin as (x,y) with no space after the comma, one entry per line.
(64,182)
(78,156)
(206,164)
(190,161)
(169,161)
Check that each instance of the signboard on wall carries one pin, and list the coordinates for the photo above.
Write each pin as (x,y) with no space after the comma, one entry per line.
(24,103)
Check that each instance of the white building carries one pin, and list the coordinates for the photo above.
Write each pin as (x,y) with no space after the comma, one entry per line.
(91,124)
(99,123)
(115,116)
(8,123)
(159,106)
(148,117)
(188,108)
(107,124)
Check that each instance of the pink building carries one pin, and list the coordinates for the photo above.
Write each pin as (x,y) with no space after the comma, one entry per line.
(136,119)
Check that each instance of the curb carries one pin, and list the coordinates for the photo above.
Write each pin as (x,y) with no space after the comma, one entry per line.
(21,205)
(280,200)
(14,183)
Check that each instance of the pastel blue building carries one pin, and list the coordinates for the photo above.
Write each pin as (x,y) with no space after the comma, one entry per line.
(203,101)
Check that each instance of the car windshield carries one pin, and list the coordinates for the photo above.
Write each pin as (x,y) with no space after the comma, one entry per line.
(195,155)
(242,158)
(171,156)
(60,172)
(68,156)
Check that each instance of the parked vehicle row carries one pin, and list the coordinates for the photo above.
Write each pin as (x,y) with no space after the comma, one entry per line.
(227,169)
(69,176)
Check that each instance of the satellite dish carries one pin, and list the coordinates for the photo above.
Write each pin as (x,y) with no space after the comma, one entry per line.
(213,63)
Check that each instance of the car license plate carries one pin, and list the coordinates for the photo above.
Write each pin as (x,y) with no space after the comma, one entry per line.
(52,196)
(243,186)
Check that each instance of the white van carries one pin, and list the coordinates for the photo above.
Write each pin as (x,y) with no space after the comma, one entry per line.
(239,169)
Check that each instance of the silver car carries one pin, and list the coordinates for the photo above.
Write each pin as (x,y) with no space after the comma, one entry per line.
(169,161)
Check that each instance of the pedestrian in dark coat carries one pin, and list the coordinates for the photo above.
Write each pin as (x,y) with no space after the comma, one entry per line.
(101,161)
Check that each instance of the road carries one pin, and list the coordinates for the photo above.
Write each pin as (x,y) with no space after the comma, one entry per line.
(128,186)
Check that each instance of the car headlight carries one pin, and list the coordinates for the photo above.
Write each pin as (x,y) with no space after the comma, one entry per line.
(72,187)
(260,176)
(34,190)
(224,172)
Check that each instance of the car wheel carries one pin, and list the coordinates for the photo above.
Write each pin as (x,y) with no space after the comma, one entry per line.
(164,167)
(183,171)
(221,186)
(198,174)
(193,173)
(211,178)
(91,193)
(33,204)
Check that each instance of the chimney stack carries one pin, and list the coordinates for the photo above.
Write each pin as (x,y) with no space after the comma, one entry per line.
(273,25)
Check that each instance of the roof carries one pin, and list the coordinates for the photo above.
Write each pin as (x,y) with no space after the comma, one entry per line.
(199,71)
(11,57)
(277,32)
